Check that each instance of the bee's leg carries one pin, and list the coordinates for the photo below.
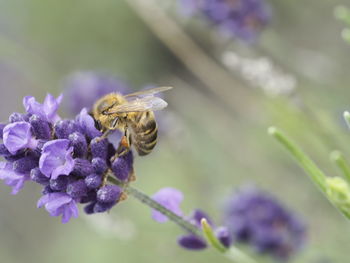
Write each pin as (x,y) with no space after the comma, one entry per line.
(124,145)
(109,131)
(105,135)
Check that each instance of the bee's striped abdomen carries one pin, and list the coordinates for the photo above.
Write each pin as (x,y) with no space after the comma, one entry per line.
(145,133)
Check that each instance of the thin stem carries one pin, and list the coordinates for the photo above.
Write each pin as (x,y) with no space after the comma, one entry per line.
(236,255)
(338,158)
(311,169)
(155,205)
(210,236)
(347,118)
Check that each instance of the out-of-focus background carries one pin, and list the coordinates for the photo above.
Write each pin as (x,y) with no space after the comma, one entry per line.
(213,135)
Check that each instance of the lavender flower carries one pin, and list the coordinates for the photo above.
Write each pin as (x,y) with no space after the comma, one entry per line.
(170,198)
(64,156)
(56,158)
(258,219)
(14,179)
(59,204)
(85,87)
(87,124)
(243,19)
(47,111)
(18,136)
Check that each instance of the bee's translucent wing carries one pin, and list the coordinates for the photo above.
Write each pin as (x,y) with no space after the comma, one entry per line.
(148,92)
(148,103)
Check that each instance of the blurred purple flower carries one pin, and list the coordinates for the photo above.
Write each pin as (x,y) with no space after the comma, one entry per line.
(18,136)
(256,218)
(59,204)
(85,87)
(56,158)
(243,19)
(14,179)
(192,242)
(171,199)
(47,111)
(196,217)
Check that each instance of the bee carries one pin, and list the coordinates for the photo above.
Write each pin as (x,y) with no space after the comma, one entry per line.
(133,115)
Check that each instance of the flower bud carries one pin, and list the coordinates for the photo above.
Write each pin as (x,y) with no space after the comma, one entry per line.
(59,184)
(93,181)
(192,242)
(64,128)
(99,148)
(79,144)
(223,235)
(101,207)
(41,128)
(123,166)
(99,165)
(77,189)
(38,177)
(338,191)
(82,167)
(25,164)
(17,117)
(109,194)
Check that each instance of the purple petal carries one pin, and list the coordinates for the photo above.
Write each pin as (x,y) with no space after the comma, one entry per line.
(67,166)
(55,145)
(42,201)
(47,111)
(59,204)
(57,200)
(11,178)
(71,210)
(50,107)
(88,124)
(18,136)
(33,107)
(170,198)
(56,159)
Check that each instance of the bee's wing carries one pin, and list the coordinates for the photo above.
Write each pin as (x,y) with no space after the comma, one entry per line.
(148,103)
(148,92)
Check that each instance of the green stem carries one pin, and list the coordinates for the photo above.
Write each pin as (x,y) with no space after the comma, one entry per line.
(238,256)
(347,118)
(155,205)
(210,236)
(338,158)
(315,173)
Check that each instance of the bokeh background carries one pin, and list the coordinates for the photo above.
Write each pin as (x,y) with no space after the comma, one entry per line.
(214,132)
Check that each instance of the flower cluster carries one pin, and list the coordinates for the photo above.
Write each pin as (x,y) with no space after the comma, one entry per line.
(171,199)
(67,157)
(243,19)
(256,218)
